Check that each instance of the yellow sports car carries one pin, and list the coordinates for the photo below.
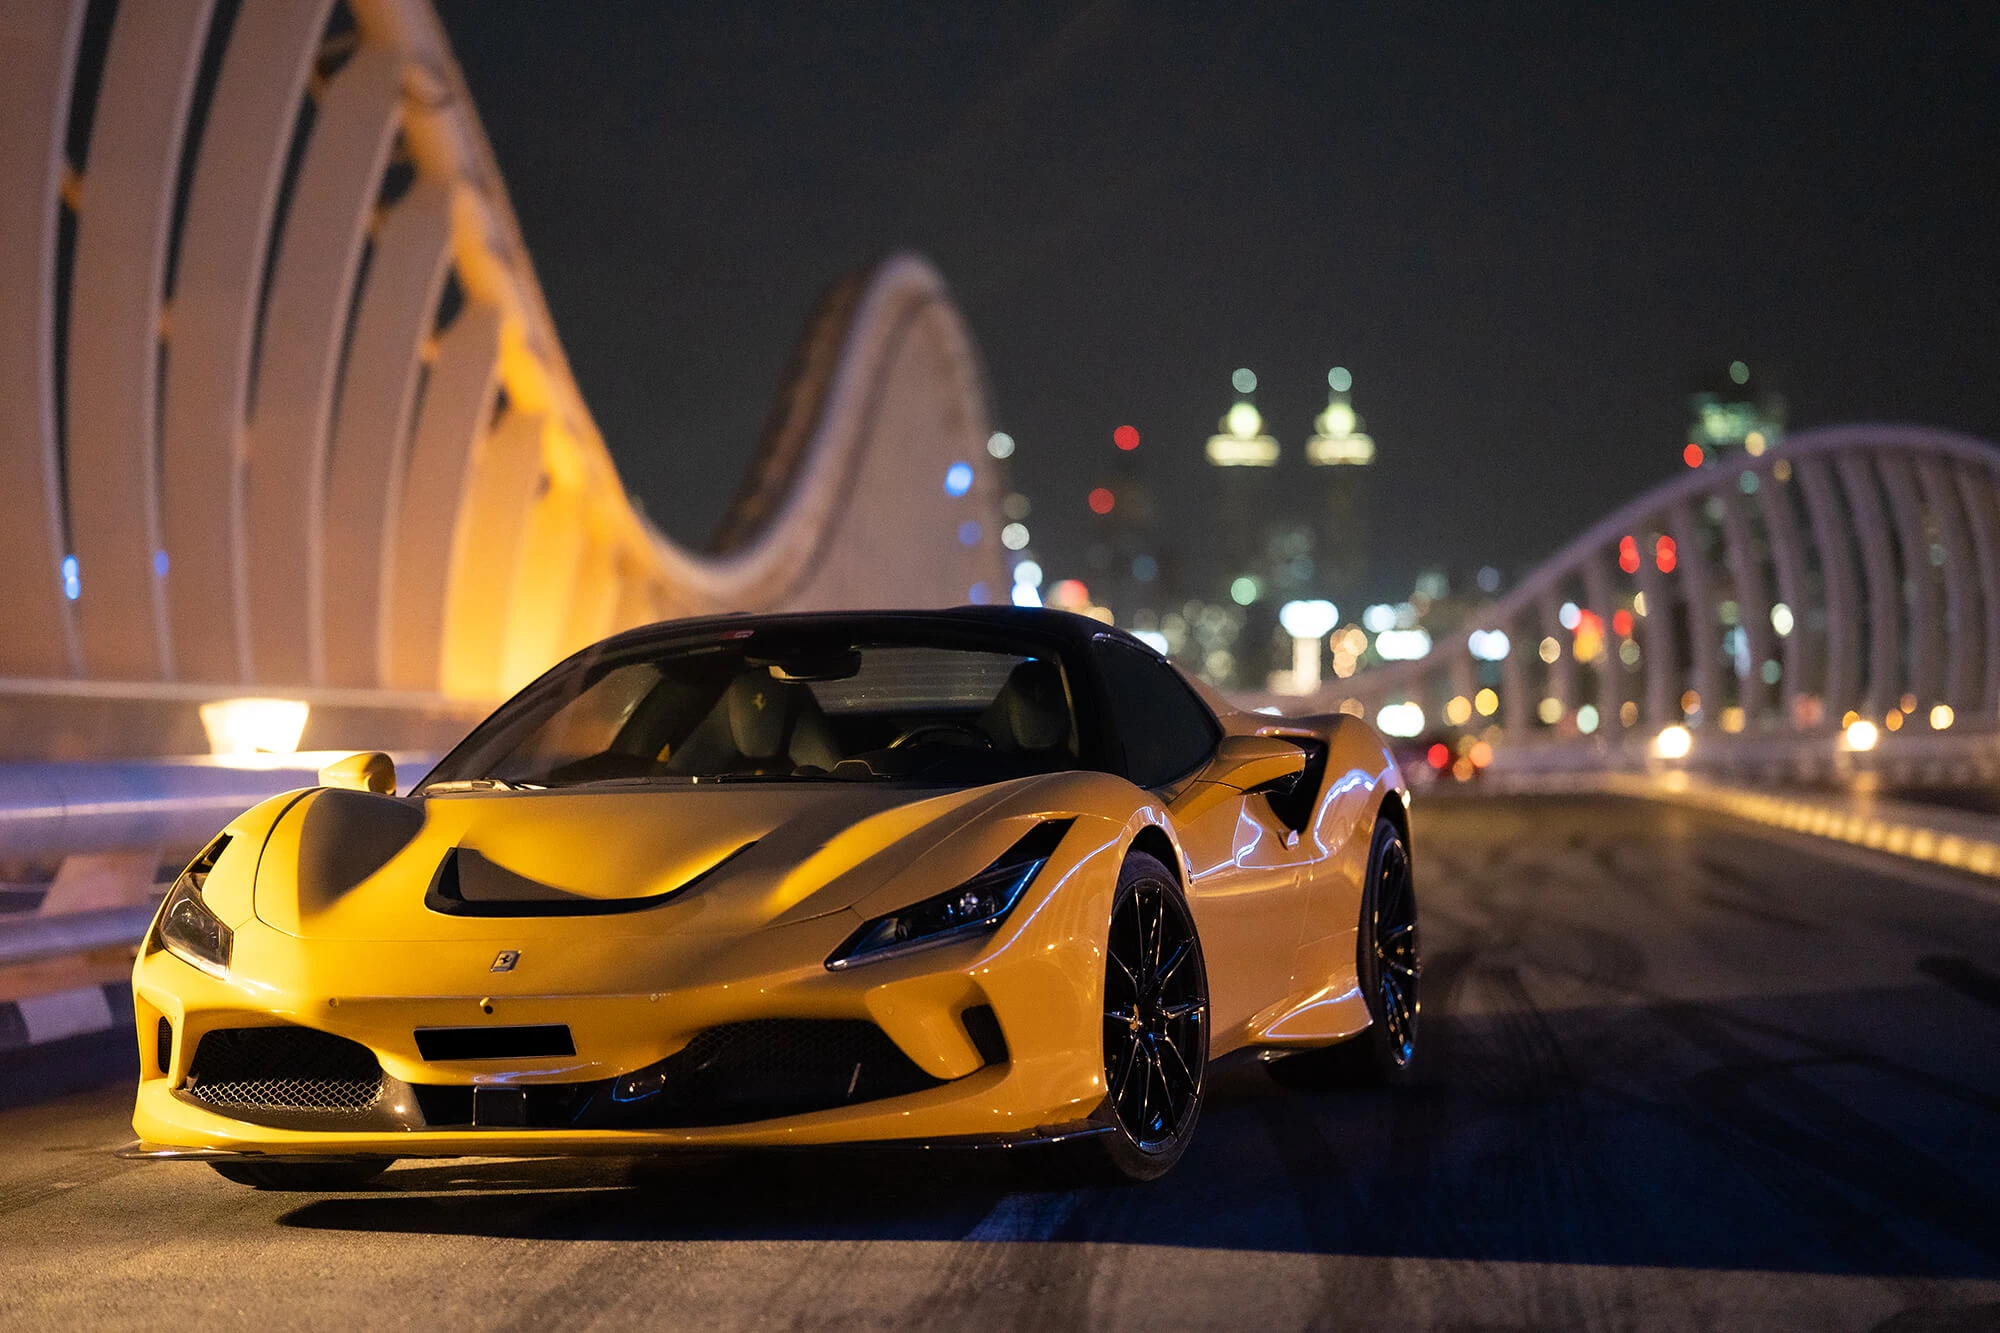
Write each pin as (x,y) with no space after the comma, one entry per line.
(988,876)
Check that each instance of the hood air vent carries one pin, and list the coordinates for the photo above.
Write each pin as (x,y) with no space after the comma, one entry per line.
(468,884)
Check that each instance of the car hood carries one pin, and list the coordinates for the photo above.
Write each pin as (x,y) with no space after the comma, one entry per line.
(703,859)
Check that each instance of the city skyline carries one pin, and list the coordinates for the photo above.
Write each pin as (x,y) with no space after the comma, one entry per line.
(1524,235)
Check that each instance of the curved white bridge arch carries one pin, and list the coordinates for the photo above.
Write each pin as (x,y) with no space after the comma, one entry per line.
(281,404)
(1849,569)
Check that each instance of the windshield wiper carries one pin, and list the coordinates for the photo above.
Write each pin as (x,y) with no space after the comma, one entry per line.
(633,780)
(478,784)
(705,778)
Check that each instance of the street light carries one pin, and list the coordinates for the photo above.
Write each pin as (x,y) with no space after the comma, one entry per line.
(1307,622)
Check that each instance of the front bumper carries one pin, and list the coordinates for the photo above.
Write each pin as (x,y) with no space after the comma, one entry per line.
(1037,974)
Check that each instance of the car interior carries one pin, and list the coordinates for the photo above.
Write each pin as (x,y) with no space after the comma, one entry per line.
(717,717)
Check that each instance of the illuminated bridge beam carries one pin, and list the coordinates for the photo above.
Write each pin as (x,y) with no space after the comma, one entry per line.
(290,413)
(1850,569)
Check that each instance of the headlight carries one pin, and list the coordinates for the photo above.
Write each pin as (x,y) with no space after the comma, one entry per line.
(978,905)
(187,929)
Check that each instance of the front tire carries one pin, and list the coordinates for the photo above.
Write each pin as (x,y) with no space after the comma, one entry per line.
(1155,1025)
(303,1177)
(1389,970)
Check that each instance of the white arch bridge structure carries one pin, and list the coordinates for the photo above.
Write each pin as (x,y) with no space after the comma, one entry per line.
(282,408)
(1847,574)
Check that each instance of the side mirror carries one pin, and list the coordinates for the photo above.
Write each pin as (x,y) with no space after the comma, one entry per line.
(1249,762)
(370,770)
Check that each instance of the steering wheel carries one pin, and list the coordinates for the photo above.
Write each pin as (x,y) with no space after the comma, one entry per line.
(965,729)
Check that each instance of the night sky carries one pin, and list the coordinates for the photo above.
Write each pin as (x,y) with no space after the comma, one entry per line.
(1526,235)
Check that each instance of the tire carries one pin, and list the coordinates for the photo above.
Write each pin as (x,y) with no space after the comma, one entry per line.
(1389,969)
(303,1177)
(1156,1021)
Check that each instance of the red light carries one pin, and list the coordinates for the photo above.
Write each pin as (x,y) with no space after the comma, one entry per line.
(1665,554)
(1069,595)
(1126,438)
(1440,755)
(1621,622)
(1628,555)
(1692,455)
(1102,501)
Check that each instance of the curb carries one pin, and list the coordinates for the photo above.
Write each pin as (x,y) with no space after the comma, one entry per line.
(1952,839)
(79,1012)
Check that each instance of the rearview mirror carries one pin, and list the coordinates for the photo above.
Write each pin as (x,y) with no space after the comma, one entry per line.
(370,770)
(1249,762)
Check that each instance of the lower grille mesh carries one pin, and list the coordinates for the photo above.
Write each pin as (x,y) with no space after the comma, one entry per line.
(284,1069)
(762,1069)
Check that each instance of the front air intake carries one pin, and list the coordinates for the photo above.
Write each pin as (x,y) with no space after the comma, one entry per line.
(766,1068)
(249,1073)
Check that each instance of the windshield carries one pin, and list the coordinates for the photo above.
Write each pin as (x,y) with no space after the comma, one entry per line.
(760,705)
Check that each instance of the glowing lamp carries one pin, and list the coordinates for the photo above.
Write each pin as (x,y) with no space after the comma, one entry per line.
(254,726)
(1402,720)
(1308,620)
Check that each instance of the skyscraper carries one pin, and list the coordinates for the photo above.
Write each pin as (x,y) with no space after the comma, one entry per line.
(1244,459)
(1730,413)
(1339,455)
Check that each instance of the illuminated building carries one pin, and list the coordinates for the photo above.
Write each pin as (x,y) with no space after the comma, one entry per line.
(1123,534)
(1729,413)
(1244,459)
(1339,454)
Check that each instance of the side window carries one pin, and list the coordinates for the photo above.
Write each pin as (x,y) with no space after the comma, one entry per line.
(1165,729)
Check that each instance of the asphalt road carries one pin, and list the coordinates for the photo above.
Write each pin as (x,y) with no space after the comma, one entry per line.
(1687,1075)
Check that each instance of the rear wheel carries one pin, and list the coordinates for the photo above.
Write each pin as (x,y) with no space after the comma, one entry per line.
(1389,969)
(303,1177)
(1155,1024)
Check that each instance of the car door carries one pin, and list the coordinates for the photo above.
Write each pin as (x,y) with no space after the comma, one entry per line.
(1245,888)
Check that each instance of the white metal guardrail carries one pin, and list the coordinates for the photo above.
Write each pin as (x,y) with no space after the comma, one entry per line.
(50,811)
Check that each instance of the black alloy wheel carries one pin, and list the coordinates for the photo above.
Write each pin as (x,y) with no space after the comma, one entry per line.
(1389,971)
(1394,970)
(1155,1023)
